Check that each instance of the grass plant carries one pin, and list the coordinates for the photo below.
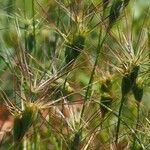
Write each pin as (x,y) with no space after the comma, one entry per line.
(74,75)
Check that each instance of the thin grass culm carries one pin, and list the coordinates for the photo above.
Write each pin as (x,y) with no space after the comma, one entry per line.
(128,82)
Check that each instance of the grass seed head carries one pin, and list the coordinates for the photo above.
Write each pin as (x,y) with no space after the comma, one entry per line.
(114,12)
(126,85)
(23,122)
(74,49)
(76,141)
(107,101)
(30,41)
(134,73)
(137,92)
(27,118)
(106,86)
(17,129)
(129,80)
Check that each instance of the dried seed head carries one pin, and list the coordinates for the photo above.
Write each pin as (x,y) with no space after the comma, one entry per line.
(76,141)
(134,73)
(106,86)
(17,129)
(129,80)
(107,101)
(31,42)
(114,12)
(126,85)
(27,118)
(137,92)
(73,50)
(23,122)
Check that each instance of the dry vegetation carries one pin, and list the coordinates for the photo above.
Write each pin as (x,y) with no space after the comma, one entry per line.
(74,74)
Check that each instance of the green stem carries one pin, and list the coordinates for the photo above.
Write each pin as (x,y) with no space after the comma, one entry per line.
(100,44)
(34,29)
(119,116)
(34,137)
(137,126)
(25,27)
(24,142)
(126,124)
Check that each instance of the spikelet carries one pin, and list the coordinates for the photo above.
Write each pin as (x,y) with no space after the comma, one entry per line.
(106,86)
(107,101)
(129,80)
(137,92)
(74,49)
(17,129)
(27,118)
(76,141)
(134,74)
(23,122)
(31,42)
(126,85)
(114,12)
(106,98)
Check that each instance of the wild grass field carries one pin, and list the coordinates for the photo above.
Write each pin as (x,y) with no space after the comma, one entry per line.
(74,74)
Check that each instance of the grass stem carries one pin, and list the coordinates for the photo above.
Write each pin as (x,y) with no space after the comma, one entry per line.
(124,97)
(100,44)
(137,126)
